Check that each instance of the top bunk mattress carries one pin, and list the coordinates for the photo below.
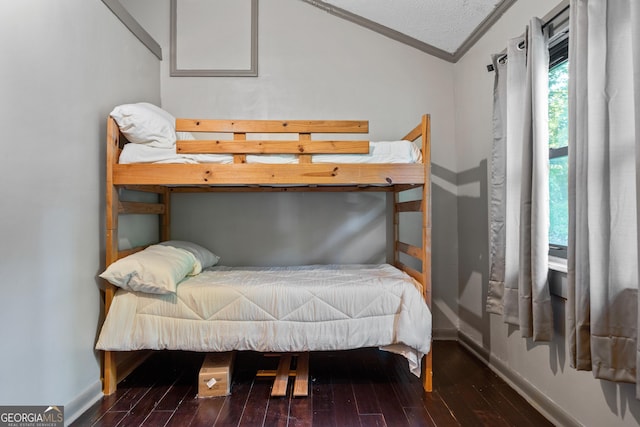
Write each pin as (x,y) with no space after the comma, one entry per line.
(153,135)
(401,151)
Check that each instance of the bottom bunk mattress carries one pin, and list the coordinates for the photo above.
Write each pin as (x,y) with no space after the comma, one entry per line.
(277,309)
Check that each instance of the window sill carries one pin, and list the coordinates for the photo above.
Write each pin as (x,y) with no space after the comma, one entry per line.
(558,276)
(557,264)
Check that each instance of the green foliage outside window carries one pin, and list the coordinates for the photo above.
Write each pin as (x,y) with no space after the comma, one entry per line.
(558,163)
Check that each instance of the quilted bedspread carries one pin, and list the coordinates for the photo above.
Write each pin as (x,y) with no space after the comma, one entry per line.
(277,309)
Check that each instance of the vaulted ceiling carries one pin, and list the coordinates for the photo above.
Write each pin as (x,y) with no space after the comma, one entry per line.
(444,28)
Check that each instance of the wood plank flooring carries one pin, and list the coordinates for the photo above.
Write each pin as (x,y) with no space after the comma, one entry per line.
(364,387)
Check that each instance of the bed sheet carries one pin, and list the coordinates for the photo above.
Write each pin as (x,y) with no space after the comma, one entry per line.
(277,309)
(379,152)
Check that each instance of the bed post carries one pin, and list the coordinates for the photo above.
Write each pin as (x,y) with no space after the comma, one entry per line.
(165,217)
(423,253)
(109,374)
(427,365)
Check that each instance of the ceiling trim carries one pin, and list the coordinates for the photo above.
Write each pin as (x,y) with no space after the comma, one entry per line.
(479,31)
(482,28)
(130,22)
(381,29)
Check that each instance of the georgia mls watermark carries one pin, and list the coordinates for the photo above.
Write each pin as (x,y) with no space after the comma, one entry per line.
(31,416)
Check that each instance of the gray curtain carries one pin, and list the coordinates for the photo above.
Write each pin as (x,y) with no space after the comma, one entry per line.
(519,242)
(603,221)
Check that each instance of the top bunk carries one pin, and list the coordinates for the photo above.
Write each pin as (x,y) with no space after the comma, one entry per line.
(209,154)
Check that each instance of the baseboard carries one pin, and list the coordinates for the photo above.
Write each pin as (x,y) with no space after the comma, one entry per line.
(535,397)
(127,363)
(445,334)
(82,402)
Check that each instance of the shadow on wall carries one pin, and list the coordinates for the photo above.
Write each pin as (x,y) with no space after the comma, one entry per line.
(444,256)
(473,253)
(621,399)
(557,348)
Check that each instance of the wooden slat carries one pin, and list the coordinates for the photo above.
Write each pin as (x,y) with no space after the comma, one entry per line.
(271,373)
(410,271)
(272,126)
(126,252)
(415,133)
(410,250)
(301,384)
(273,147)
(264,174)
(279,189)
(141,208)
(282,376)
(239,157)
(158,189)
(411,206)
(305,157)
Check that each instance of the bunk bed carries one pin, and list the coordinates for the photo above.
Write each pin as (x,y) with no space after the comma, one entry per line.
(292,158)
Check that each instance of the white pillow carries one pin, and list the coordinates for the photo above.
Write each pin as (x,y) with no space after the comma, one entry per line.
(159,111)
(144,123)
(183,136)
(155,270)
(204,257)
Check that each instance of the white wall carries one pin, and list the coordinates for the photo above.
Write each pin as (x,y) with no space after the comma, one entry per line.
(542,368)
(66,64)
(313,65)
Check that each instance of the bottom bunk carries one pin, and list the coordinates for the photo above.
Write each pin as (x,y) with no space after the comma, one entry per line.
(283,309)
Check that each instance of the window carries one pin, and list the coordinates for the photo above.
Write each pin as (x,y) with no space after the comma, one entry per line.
(558,148)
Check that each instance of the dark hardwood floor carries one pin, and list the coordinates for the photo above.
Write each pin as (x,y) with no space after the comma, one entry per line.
(365,387)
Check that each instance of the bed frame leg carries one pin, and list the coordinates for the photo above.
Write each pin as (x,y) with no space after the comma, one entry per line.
(427,372)
(110,378)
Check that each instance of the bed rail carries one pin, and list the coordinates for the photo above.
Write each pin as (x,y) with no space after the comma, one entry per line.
(245,139)
(272,126)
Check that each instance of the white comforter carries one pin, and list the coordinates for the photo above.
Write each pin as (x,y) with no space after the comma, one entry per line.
(277,309)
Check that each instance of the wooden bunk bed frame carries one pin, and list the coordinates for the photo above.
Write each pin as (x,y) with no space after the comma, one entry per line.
(239,176)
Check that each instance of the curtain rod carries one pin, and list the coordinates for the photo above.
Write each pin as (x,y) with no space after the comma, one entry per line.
(564,6)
